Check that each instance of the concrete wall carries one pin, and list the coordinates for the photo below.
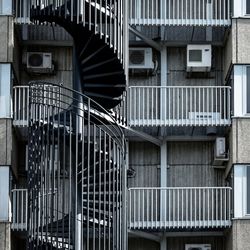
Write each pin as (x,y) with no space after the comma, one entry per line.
(5,243)
(6,38)
(240,41)
(240,235)
(240,141)
(5,141)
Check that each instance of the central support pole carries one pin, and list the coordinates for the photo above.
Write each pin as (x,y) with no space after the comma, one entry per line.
(163,192)
(163,89)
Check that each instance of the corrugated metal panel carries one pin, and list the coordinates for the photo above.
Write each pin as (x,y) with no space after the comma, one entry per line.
(145,81)
(190,165)
(142,244)
(178,243)
(47,32)
(190,153)
(144,158)
(194,176)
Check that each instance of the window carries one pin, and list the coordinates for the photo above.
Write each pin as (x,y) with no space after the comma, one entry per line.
(248,91)
(241,191)
(5,7)
(248,190)
(247,6)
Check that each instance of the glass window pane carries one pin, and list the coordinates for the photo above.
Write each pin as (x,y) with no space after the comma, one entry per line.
(5,7)
(247,6)
(248,90)
(248,189)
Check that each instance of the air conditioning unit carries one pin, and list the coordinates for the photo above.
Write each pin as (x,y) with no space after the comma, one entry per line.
(199,58)
(197,247)
(39,62)
(220,148)
(141,58)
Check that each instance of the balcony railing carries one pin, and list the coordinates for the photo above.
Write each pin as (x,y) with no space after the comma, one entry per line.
(179,106)
(180,207)
(19,209)
(179,12)
(20,105)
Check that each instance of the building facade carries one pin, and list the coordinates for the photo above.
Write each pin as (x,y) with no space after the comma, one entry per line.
(68,178)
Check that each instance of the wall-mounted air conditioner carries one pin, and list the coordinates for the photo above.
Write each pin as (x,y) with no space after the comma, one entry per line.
(141,58)
(198,247)
(39,62)
(220,148)
(199,58)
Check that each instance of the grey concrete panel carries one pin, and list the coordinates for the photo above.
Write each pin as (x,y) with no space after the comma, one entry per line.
(6,38)
(5,141)
(241,231)
(5,239)
(240,41)
(240,141)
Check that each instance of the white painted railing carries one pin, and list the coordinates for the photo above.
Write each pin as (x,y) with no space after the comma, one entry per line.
(19,209)
(179,106)
(20,105)
(180,207)
(179,12)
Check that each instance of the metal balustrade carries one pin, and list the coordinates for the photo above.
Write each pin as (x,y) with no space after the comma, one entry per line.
(179,207)
(105,16)
(19,209)
(179,106)
(20,105)
(76,168)
(179,12)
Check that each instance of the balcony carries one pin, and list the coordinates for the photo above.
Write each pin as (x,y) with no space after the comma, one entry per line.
(179,208)
(179,106)
(179,12)
(19,209)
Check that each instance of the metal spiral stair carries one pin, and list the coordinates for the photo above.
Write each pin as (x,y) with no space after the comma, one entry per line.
(89,161)
(99,65)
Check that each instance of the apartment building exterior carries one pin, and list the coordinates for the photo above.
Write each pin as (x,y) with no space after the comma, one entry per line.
(68,180)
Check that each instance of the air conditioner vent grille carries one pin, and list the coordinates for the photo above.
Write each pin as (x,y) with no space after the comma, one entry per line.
(195,55)
(137,57)
(35,60)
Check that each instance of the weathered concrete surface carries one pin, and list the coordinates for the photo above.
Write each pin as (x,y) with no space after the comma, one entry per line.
(5,241)
(5,141)
(6,38)
(241,235)
(240,41)
(240,141)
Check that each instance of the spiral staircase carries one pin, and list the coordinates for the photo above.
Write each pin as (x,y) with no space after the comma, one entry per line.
(76,149)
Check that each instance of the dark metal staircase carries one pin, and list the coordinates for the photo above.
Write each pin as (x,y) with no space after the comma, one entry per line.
(98,42)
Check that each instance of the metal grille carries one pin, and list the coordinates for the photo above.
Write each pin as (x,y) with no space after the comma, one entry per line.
(76,172)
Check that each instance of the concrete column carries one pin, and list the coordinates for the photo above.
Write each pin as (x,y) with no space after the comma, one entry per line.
(163,179)
(4,208)
(163,243)
(163,81)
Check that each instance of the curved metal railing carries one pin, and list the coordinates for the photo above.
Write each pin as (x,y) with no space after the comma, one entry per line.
(76,172)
